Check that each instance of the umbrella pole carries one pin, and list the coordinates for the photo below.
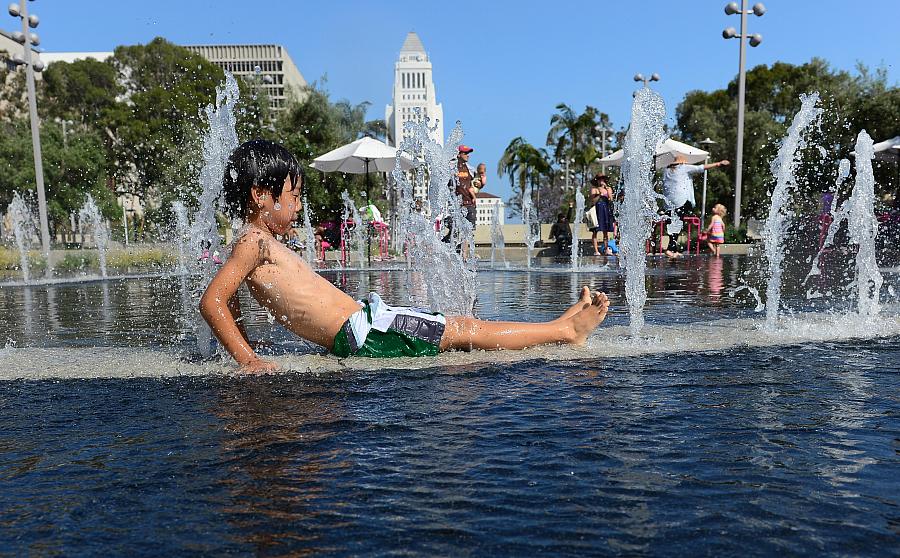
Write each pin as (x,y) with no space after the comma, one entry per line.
(368,226)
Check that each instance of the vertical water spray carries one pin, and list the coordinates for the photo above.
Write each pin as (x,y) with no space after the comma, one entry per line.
(863,228)
(783,169)
(309,241)
(182,235)
(359,228)
(498,242)
(89,214)
(638,211)
(838,215)
(447,278)
(528,214)
(576,228)
(219,142)
(22,220)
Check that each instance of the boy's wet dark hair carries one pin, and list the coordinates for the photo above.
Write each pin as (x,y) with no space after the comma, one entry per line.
(257,162)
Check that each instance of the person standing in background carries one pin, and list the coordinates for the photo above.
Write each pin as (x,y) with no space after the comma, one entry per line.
(463,188)
(601,197)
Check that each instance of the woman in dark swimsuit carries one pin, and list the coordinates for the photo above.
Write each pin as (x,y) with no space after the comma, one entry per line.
(601,197)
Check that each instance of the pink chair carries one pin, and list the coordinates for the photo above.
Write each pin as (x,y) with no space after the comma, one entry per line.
(692,222)
(381,229)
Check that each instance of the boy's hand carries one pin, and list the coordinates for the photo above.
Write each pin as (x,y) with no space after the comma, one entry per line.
(259,366)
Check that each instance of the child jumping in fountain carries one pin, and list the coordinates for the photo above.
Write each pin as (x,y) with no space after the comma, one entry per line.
(262,184)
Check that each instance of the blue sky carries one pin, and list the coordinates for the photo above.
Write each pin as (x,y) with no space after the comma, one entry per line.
(500,66)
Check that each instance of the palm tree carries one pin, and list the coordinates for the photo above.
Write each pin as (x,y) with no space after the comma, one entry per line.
(517,160)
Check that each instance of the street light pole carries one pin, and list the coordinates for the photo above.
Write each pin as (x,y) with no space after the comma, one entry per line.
(603,131)
(732,8)
(705,143)
(27,39)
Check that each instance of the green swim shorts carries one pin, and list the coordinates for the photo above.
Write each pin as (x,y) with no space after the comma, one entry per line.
(380,331)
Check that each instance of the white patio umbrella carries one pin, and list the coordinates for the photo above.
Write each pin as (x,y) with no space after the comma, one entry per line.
(665,154)
(362,156)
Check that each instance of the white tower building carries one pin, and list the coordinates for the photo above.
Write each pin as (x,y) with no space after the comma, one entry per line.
(413,88)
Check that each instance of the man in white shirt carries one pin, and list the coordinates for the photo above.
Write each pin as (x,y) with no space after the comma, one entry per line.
(678,188)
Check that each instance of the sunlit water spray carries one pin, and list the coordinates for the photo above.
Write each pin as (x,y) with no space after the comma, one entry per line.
(576,228)
(838,216)
(648,113)
(446,278)
(351,214)
(863,228)
(498,242)
(89,217)
(219,142)
(182,235)
(781,209)
(22,220)
(309,242)
(528,217)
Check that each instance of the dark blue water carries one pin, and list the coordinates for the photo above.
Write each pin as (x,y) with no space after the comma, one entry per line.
(776,450)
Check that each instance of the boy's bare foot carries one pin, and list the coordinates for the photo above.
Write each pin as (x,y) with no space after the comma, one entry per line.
(583,301)
(588,318)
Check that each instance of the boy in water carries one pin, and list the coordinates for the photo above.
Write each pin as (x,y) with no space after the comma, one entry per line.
(262,184)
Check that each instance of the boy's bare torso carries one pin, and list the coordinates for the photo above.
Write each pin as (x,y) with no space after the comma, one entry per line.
(299,298)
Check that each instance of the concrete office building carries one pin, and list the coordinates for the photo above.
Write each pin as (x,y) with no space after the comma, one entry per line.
(278,75)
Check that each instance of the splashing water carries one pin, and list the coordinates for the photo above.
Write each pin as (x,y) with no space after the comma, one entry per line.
(576,226)
(527,215)
(498,242)
(783,169)
(648,113)
(446,277)
(182,235)
(359,227)
(838,214)
(309,242)
(23,225)
(863,228)
(218,144)
(89,214)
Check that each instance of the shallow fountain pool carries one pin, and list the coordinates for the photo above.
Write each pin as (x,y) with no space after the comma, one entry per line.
(709,434)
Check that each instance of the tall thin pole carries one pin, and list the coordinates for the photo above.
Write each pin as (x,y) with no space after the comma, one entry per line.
(703,211)
(603,149)
(36,140)
(368,225)
(739,158)
(125,221)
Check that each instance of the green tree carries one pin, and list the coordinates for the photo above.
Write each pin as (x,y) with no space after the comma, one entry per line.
(851,103)
(525,165)
(313,126)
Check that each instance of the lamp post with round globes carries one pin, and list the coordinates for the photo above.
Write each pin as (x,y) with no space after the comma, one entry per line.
(705,143)
(603,130)
(27,39)
(731,9)
(640,77)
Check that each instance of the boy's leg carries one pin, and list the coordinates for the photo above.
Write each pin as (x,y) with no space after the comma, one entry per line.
(573,326)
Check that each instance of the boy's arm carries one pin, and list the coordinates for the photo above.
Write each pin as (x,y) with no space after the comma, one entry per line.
(215,305)
(234,306)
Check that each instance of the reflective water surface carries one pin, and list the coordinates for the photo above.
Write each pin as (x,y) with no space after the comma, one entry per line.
(707,436)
